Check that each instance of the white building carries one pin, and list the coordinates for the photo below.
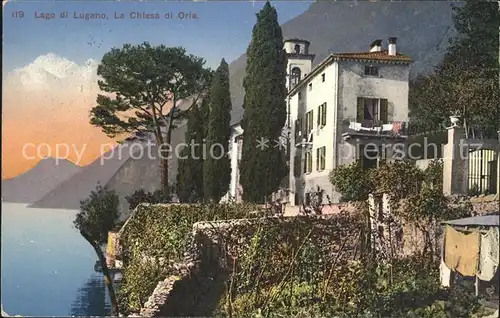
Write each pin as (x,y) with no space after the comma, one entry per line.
(347,101)
(351,106)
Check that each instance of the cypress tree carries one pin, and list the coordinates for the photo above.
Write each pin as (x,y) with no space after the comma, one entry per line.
(263,168)
(190,165)
(217,168)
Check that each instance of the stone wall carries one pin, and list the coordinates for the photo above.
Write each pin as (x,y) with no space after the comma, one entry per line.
(196,285)
(485,204)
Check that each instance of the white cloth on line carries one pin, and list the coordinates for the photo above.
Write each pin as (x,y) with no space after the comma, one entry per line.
(488,257)
(445,274)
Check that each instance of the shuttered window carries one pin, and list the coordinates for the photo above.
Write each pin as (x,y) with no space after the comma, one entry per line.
(321,119)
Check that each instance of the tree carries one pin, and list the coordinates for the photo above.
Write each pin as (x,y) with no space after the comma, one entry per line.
(98,215)
(147,85)
(141,196)
(467,79)
(263,168)
(190,169)
(217,166)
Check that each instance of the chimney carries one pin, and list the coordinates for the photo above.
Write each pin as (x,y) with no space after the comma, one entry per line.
(392,46)
(376,46)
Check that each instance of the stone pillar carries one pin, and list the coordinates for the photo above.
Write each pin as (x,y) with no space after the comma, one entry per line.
(498,159)
(455,163)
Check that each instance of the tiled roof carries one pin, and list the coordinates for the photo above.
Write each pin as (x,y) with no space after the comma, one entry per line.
(382,56)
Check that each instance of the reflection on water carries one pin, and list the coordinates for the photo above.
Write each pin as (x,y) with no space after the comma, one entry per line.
(91,299)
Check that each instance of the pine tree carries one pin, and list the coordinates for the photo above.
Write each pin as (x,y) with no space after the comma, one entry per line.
(217,167)
(263,168)
(190,164)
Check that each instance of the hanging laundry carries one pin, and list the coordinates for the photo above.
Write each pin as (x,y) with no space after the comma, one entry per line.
(461,251)
(488,258)
(445,274)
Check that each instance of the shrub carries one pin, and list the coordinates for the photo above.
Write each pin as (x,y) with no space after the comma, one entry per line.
(141,196)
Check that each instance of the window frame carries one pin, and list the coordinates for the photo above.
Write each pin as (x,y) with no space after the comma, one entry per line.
(369,70)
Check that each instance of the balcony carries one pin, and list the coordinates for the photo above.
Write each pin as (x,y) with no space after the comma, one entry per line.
(374,129)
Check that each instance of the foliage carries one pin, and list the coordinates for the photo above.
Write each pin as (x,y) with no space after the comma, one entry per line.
(352,182)
(189,185)
(408,288)
(467,79)
(262,170)
(141,196)
(273,259)
(144,84)
(217,167)
(157,233)
(98,214)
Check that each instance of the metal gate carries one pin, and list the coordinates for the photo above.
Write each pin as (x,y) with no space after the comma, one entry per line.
(482,172)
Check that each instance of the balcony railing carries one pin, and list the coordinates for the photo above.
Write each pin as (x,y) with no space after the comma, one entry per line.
(376,128)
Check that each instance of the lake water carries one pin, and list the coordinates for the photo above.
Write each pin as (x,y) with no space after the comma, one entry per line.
(47,267)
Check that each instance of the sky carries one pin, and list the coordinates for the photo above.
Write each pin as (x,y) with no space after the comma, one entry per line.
(49,63)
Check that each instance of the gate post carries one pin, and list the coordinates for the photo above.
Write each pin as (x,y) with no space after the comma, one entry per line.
(455,163)
(498,160)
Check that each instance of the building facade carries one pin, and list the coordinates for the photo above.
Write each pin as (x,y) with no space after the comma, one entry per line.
(351,106)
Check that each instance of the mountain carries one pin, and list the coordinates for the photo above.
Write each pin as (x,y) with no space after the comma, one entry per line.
(128,167)
(38,181)
(423,29)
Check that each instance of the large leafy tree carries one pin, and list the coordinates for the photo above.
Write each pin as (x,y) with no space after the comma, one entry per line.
(98,215)
(467,79)
(189,184)
(263,168)
(217,167)
(145,85)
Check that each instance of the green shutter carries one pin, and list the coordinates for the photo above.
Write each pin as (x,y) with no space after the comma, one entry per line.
(317,159)
(384,111)
(360,110)
(323,118)
(318,121)
(323,158)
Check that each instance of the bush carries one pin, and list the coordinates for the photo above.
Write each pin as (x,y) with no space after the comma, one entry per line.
(141,196)
(352,182)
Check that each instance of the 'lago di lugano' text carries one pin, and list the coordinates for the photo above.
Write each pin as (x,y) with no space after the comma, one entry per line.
(118,15)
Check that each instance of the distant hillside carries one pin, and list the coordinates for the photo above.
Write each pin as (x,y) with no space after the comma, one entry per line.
(125,171)
(38,181)
(423,29)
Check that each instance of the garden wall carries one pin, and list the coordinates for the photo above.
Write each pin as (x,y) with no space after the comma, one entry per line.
(221,247)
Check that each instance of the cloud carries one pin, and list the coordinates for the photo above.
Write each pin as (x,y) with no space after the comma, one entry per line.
(48,101)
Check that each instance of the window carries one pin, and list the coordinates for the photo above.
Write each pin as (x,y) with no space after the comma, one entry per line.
(300,96)
(309,122)
(320,158)
(370,156)
(298,129)
(371,70)
(310,86)
(297,49)
(296,166)
(372,110)
(321,121)
(295,76)
(323,77)
(308,162)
